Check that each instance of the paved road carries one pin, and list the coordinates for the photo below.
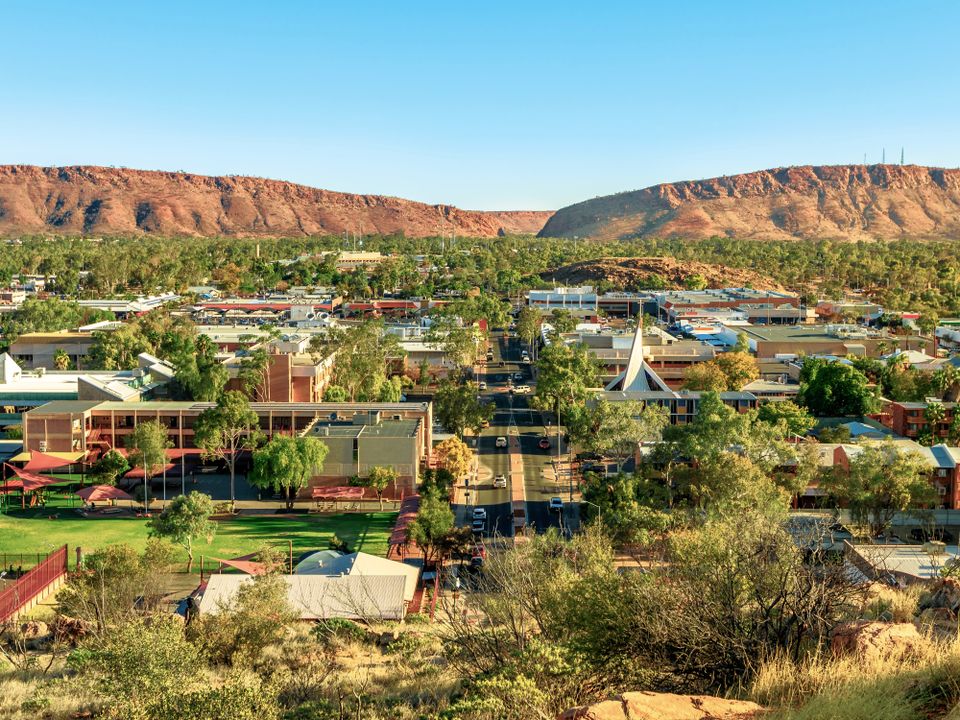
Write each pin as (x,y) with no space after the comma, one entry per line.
(515,417)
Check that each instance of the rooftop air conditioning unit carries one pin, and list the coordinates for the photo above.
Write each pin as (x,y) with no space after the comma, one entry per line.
(42,446)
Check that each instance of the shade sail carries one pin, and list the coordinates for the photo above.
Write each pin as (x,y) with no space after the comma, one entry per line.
(29,481)
(247,566)
(99,493)
(38,461)
(139,472)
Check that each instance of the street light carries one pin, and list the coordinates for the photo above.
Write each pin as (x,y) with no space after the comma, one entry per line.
(599,509)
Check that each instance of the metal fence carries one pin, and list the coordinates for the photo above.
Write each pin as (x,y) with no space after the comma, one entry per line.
(33,583)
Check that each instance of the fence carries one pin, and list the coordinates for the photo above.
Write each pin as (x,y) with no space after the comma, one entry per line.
(33,583)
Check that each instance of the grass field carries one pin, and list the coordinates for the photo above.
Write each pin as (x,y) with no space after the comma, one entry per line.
(31,531)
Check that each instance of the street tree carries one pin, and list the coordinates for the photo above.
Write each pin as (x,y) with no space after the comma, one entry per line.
(147,449)
(286,464)
(227,429)
(616,429)
(184,520)
(882,480)
(454,455)
(460,341)
(528,326)
(432,526)
(459,408)
(565,373)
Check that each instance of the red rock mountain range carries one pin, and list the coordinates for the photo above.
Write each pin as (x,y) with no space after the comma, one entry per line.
(88,200)
(855,202)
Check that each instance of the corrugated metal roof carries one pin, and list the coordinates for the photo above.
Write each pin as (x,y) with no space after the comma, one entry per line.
(318,597)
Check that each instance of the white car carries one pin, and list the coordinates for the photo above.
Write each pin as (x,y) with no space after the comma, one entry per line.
(482,385)
(500,481)
(521,389)
(501,442)
(479,513)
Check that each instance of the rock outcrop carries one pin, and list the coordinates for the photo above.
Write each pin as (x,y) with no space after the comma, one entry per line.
(89,200)
(634,273)
(871,640)
(665,706)
(855,202)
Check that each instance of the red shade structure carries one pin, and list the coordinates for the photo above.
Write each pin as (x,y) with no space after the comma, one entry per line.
(138,472)
(99,493)
(28,481)
(348,492)
(39,462)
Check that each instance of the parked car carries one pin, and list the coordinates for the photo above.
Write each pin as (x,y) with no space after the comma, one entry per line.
(482,385)
(500,481)
(501,442)
(518,376)
(479,513)
(556,504)
(521,389)
(479,526)
(544,444)
(501,364)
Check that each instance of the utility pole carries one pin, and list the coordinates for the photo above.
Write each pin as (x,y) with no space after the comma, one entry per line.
(884,156)
(901,155)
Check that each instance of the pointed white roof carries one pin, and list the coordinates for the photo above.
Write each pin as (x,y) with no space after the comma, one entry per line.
(9,370)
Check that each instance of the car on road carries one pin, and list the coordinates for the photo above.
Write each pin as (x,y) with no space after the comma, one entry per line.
(518,376)
(521,389)
(544,444)
(556,504)
(479,513)
(479,526)
(501,364)
(501,442)
(500,481)
(482,385)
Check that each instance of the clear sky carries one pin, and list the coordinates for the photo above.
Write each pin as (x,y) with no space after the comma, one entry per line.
(486,105)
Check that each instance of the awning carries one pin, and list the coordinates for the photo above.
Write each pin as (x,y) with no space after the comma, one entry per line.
(99,493)
(47,461)
(408,512)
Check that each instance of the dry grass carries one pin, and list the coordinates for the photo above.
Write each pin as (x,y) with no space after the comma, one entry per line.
(853,688)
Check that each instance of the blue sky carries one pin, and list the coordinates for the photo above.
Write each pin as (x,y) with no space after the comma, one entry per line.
(494,105)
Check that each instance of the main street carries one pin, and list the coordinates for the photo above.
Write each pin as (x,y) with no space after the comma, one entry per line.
(516,420)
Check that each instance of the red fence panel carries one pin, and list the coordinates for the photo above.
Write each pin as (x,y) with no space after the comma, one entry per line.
(34,582)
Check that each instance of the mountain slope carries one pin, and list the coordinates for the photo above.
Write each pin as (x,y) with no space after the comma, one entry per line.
(856,202)
(94,200)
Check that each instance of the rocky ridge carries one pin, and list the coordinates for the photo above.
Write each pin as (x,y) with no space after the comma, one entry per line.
(854,202)
(90,200)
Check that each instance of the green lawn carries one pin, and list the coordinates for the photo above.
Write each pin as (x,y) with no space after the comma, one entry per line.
(31,531)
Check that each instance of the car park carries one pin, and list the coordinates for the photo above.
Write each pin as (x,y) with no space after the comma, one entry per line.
(501,442)
(556,504)
(500,481)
